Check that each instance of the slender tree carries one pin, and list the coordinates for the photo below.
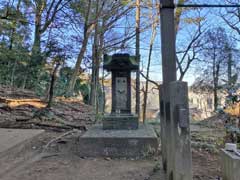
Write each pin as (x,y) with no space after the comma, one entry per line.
(88,28)
(138,57)
(45,13)
(155,22)
(216,41)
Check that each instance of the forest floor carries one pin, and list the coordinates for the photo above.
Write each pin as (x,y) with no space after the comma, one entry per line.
(23,109)
(43,158)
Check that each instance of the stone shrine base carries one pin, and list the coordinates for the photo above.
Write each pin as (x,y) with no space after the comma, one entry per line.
(120,122)
(97,142)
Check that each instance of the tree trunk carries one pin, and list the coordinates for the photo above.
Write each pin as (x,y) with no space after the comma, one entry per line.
(215,89)
(229,69)
(36,49)
(87,32)
(101,52)
(93,79)
(103,94)
(181,76)
(138,57)
(36,61)
(146,85)
(72,82)
(53,79)
(13,73)
(31,72)
(24,82)
(215,97)
(94,101)
(95,66)
(15,23)
(145,95)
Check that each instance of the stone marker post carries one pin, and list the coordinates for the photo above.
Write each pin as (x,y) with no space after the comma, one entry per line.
(180,131)
(175,131)
(169,75)
(163,129)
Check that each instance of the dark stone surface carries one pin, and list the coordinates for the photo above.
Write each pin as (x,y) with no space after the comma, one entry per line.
(122,143)
(120,122)
(120,62)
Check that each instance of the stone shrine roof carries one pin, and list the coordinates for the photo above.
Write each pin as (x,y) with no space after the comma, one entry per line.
(120,62)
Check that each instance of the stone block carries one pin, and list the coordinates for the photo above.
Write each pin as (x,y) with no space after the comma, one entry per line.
(97,142)
(120,122)
(179,166)
(230,165)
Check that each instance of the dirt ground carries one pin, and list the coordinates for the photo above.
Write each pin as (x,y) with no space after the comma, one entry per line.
(22,109)
(35,161)
(72,168)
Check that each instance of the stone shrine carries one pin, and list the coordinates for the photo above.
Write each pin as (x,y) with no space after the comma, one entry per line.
(120,134)
(121,66)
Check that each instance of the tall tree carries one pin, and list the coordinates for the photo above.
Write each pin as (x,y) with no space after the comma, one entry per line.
(45,12)
(14,34)
(89,24)
(137,53)
(155,21)
(95,61)
(104,26)
(190,53)
(190,23)
(215,54)
(103,20)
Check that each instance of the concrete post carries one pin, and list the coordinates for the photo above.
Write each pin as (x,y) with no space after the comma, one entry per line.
(169,74)
(168,38)
(180,131)
(163,129)
(230,163)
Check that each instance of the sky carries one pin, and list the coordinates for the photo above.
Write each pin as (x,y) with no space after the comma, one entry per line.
(212,20)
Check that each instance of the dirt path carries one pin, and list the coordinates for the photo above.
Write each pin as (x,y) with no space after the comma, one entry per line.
(28,163)
(67,167)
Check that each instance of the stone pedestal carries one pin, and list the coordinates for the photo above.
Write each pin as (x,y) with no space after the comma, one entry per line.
(97,142)
(120,122)
(230,165)
(179,153)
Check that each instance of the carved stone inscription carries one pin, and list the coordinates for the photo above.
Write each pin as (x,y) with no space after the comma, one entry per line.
(121,93)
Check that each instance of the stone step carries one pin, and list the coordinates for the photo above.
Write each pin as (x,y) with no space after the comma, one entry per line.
(97,142)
